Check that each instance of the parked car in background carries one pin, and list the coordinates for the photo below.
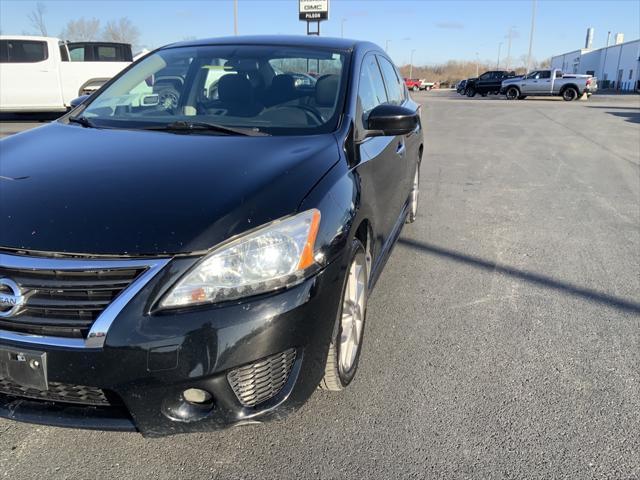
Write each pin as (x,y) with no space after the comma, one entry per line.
(181,267)
(413,84)
(461,87)
(487,83)
(550,83)
(45,73)
(424,85)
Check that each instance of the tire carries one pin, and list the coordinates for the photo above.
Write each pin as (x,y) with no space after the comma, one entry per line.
(471,92)
(414,88)
(512,93)
(342,364)
(569,94)
(414,197)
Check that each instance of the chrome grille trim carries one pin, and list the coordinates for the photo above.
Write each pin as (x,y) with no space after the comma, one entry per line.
(99,329)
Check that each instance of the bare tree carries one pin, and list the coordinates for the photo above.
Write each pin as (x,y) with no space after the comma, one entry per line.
(81,30)
(36,18)
(121,31)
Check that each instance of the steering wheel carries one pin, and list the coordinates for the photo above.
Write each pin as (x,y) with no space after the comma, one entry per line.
(312,111)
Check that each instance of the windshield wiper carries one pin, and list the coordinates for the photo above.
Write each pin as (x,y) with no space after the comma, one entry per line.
(84,121)
(186,127)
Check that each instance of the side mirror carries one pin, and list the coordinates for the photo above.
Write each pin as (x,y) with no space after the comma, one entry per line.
(387,120)
(77,101)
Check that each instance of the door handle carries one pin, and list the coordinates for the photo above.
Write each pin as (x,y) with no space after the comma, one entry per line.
(401,149)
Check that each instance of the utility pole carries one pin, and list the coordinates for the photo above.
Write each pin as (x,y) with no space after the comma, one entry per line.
(386,46)
(411,64)
(498,62)
(342,27)
(533,26)
(477,64)
(235,17)
(509,36)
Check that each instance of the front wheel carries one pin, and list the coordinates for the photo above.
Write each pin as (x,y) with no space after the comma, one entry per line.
(344,349)
(414,88)
(471,92)
(569,94)
(512,93)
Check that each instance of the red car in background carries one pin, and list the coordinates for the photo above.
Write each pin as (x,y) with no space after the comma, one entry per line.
(413,84)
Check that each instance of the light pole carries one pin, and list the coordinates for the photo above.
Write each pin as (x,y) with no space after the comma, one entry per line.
(235,17)
(498,62)
(342,27)
(411,63)
(477,64)
(533,26)
(509,36)
(386,46)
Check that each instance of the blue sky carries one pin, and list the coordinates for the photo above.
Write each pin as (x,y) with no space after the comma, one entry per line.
(438,30)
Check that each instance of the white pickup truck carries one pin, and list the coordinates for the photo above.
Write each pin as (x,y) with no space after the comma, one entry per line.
(549,83)
(40,74)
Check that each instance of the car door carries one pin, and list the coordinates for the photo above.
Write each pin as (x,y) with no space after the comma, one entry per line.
(482,84)
(543,84)
(529,83)
(28,75)
(396,95)
(382,166)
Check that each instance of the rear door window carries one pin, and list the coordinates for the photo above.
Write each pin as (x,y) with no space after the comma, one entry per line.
(23,51)
(77,53)
(107,54)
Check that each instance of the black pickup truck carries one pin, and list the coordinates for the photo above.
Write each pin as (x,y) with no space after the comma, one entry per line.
(487,83)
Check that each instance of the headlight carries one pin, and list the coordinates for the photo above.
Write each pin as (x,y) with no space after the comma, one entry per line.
(275,256)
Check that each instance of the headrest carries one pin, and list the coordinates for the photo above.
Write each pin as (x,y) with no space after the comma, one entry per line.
(327,90)
(283,82)
(234,88)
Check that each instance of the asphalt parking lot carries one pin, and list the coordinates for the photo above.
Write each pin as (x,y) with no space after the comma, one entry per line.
(503,338)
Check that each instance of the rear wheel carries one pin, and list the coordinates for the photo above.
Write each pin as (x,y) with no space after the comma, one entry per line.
(569,94)
(344,349)
(512,93)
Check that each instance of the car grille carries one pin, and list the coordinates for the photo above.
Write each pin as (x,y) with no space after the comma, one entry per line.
(57,392)
(260,381)
(64,303)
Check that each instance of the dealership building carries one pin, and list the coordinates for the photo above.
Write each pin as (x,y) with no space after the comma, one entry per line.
(616,66)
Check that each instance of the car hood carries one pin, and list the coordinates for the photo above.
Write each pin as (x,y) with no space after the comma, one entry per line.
(69,189)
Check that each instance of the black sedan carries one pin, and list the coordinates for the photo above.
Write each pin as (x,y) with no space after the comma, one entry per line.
(192,263)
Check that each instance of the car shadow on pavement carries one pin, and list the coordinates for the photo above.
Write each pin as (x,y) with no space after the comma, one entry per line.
(527,276)
(631,114)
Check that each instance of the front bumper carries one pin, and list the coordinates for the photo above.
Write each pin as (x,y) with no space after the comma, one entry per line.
(147,361)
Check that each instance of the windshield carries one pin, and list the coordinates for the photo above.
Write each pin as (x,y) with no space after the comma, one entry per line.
(272,89)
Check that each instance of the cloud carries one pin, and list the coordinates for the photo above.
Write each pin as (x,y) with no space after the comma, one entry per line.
(450,25)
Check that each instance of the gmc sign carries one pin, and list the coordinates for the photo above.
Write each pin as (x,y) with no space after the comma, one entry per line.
(313,10)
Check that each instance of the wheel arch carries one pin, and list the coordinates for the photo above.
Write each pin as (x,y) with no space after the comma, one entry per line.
(569,85)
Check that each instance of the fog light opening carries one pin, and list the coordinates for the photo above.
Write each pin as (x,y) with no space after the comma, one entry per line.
(197,396)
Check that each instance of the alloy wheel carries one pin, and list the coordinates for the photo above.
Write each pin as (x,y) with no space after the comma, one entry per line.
(352,319)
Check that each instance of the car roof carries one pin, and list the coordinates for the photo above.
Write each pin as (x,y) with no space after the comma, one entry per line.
(284,40)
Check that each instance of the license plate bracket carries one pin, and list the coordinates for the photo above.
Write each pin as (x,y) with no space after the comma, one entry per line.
(27,368)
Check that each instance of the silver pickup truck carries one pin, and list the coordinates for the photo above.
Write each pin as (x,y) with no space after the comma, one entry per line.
(549,83)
